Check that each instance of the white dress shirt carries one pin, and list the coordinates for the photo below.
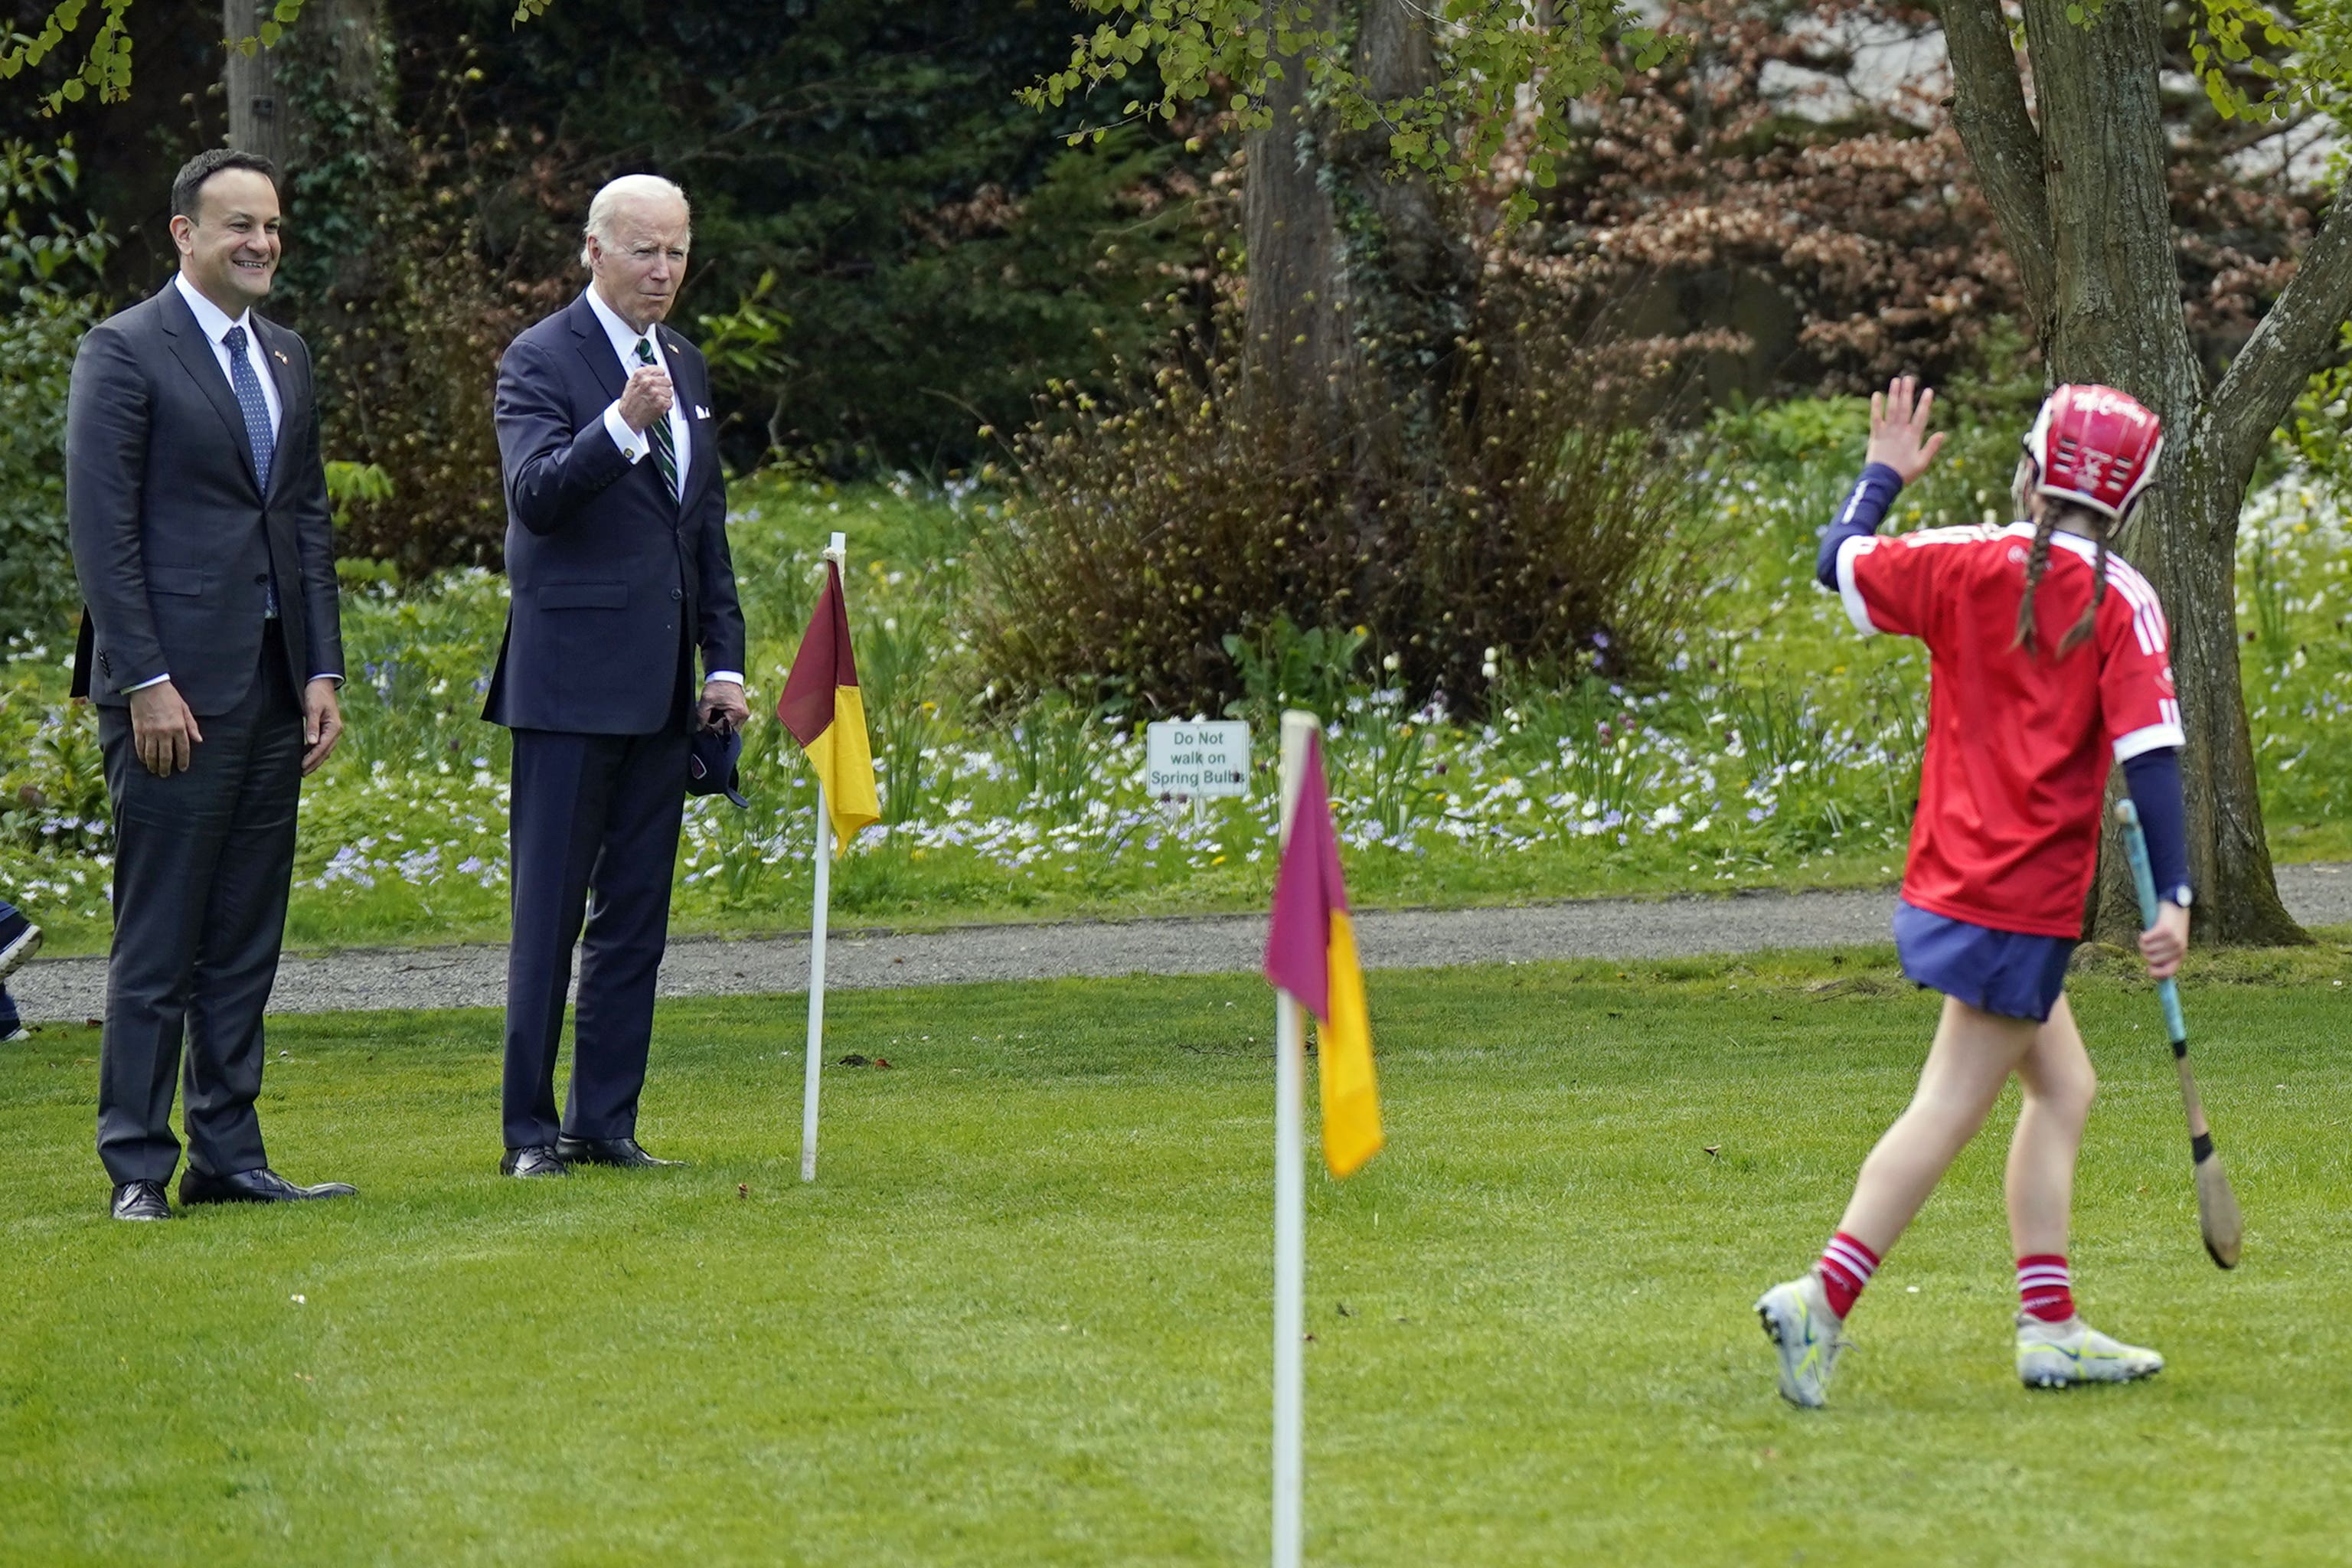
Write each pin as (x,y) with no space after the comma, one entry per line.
(636,445)
(215,323)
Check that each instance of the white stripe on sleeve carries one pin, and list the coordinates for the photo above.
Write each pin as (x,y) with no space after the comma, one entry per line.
(1856,611)
(2149,738)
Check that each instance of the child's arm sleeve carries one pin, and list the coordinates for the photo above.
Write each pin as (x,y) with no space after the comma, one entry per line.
(1864,509)
(1885,586)
(2137,701)
(2141,710)
(2153,781)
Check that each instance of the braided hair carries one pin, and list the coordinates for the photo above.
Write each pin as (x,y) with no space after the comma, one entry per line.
(2047,516)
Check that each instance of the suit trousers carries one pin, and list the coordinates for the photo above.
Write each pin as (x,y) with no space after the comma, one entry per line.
(595,822)
(204,860)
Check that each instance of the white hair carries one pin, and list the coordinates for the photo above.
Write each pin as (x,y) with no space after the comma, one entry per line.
(628,187)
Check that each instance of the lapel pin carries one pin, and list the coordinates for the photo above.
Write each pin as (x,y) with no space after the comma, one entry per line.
(281,356)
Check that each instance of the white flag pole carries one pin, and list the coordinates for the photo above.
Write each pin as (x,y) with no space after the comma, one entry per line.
(820,901)
(1289,1209)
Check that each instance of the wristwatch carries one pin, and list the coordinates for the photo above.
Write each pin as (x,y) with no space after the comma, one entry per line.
(2182,895)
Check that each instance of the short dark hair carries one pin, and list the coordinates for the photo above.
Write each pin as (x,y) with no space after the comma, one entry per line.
(189,183)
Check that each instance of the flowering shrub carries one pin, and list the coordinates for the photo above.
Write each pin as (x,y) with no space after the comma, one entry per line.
(2294,591)
(1539,504)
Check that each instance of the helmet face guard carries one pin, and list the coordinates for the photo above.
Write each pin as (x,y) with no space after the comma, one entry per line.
(2095,447)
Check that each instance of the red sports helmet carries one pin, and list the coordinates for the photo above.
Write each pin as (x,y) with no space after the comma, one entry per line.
(2094,446)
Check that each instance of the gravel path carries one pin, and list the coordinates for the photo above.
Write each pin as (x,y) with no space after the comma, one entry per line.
(475,975)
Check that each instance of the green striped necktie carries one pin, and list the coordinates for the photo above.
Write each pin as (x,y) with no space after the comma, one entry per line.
(664,451)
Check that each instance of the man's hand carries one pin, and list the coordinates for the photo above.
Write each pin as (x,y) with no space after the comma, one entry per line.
(647,397)
(2165,943)
(723,705)
(1898,428)
(322,723)
(162,732)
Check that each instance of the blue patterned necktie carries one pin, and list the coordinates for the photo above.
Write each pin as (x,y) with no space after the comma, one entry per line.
(256,406)
(664,447)
(257,433)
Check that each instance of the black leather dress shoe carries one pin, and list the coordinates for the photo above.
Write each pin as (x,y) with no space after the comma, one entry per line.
(621,1152)
(141,1200)
(539,1160)
(258,1186)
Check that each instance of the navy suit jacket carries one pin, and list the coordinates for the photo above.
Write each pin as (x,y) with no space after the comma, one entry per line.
(610,576)
(173,542)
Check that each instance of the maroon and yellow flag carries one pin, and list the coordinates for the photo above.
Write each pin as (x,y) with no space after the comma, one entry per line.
(822,707)
(1311,953)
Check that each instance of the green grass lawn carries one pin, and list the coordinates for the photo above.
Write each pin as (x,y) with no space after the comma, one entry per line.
(1023,1317)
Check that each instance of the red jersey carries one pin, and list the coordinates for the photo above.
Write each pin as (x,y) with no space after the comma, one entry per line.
(2019,744)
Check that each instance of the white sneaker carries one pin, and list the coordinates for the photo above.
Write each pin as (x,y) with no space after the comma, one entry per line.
(17,949)
(1797,1320)
(2058,1355)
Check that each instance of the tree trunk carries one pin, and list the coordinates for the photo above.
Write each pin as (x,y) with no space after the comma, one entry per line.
(259,116)
(1294,347)
(1410,278)
(2083,199)
(2117,319)
(342,38)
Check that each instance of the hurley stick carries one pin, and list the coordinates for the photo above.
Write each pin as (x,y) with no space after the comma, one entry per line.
(2217,1206)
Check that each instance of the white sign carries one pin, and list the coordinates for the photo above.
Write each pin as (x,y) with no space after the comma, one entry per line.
(1186,760)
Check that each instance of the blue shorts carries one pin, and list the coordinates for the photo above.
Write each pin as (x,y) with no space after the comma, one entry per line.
(2004,972)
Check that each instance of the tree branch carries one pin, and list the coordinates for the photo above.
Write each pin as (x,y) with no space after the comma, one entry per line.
(2295,338)
(1988,111)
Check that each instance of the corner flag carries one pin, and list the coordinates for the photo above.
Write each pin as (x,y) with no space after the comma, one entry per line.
(822,707)
(1311,953)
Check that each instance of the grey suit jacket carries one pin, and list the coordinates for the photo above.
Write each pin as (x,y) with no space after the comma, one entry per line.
(173,542)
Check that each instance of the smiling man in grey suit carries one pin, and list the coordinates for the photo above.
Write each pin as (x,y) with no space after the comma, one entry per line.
(211,642)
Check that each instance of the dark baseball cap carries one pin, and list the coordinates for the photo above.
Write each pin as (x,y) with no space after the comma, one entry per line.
(712,764)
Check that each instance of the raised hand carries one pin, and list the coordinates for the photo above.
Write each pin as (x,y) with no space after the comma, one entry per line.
(1898,428)
(646,398)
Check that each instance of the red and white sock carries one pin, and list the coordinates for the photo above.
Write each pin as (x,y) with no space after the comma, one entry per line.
(1846,1268)
(2044,1287)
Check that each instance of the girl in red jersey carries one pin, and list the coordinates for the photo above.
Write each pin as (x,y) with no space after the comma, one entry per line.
(2048,665)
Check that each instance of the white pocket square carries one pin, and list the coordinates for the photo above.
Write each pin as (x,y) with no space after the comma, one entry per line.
(700,411)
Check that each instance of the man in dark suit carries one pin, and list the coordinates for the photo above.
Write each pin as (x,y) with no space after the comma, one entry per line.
(211,643)
(616,555)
